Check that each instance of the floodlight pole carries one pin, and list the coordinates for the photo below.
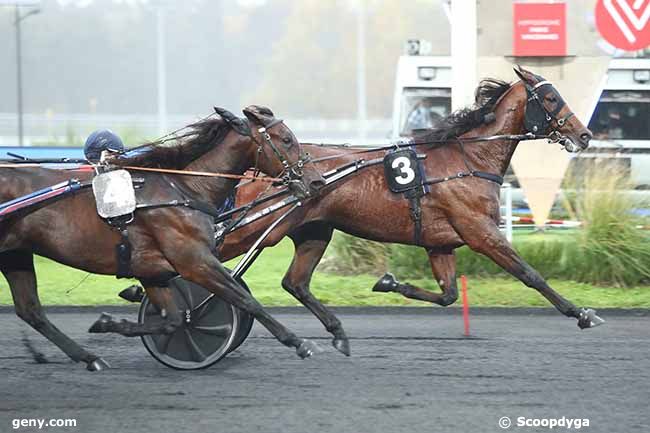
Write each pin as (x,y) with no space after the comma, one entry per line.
(19,77)
(361,71)
(161,68)
(19,69)
(463,52)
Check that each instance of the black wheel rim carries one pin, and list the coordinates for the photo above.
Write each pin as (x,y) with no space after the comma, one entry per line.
(205,336)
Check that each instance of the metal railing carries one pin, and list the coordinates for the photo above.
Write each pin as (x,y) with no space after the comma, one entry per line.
(63,128)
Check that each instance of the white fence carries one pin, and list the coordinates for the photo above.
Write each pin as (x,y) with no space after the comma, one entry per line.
(54,128)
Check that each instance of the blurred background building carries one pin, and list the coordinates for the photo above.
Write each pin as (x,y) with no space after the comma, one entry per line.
(92,63)
(329,68)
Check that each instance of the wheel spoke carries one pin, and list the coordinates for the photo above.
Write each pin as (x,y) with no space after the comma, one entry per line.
(220,330)
(186,293)
(197,353)
(205,308)
(162,342)
(151,308)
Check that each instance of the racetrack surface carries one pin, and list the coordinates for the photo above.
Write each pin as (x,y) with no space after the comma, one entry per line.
(411,371)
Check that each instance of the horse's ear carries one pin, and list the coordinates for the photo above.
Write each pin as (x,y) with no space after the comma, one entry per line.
(259,115)
(526,76)
(237,124)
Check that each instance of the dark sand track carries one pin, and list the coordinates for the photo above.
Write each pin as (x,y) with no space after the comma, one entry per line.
(411,371)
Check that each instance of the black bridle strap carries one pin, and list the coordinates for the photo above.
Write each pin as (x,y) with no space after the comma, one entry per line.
(287,167)
(263,130)
(535,95)
(562,121)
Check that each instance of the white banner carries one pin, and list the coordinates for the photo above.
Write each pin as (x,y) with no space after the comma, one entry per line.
(20,2)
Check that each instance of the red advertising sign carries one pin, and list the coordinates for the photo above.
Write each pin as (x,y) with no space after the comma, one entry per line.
(539,29)
(624,23)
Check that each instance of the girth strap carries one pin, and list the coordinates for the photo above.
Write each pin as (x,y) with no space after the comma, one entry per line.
(123,252)
(415,210)
(123,249)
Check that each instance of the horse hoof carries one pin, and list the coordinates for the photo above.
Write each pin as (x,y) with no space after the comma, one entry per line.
(132,293)
(589,319)
(98,365)
(342,345)
(386,284)
(307,349)
(101,325)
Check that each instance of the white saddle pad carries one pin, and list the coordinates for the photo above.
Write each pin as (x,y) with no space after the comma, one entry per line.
(114,194)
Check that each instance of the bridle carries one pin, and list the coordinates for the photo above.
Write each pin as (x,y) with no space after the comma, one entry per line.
(290,172)
(538,119)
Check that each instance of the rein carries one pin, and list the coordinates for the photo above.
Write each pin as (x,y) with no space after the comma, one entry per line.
(202,173)
(168,171)
(518,137)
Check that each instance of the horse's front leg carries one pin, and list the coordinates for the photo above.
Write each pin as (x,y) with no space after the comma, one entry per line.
(483,236)
(310,245)
(443,267)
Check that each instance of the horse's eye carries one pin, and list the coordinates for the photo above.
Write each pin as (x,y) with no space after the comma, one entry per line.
(286,140)
(552,99)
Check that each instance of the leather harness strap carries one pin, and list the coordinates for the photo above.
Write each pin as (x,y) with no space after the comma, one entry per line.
(414,195)
(480,174)
(415,211)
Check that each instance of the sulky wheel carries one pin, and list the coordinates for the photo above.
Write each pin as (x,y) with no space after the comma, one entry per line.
(245,321)
(208,331)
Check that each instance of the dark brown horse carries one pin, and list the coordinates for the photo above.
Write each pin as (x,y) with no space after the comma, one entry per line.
(461,211)
(165,241)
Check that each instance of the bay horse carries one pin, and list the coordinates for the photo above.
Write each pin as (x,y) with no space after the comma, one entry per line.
(165,241)
(460,211)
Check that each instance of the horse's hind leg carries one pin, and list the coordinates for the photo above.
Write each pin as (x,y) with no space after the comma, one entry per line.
(18,269)
(310,246)
(443,266)
(170,318)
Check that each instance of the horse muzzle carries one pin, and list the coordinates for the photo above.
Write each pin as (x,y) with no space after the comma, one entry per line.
(573,145)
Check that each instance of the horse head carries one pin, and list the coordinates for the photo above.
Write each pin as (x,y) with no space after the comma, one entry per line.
(548,114)
(277,150)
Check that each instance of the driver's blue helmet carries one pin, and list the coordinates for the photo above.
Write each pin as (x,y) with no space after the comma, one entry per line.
(99,141)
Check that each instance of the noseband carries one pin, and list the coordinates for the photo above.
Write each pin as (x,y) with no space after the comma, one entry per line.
(290,171)
(538,119)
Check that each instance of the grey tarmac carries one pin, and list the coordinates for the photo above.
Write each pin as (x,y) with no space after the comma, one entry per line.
(411,370)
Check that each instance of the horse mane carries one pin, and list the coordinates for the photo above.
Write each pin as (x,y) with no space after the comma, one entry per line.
(461,121)
(201,137)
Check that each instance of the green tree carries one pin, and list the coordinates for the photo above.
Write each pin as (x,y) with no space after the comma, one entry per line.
(311,69)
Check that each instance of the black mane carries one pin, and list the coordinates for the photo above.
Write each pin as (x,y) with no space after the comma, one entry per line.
(461,121)
(201,137)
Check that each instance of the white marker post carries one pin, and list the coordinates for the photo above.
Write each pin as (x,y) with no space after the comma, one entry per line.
(463,52)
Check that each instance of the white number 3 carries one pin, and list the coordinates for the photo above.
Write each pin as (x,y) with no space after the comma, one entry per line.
(403,164)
